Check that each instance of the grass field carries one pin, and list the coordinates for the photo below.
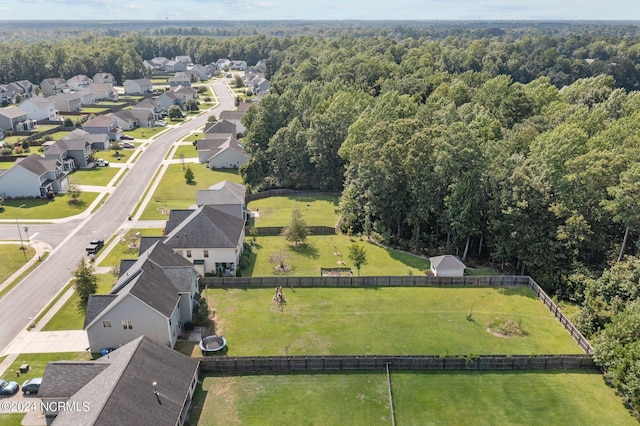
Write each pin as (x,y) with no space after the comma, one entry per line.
(11,419)
(189,151)
(144,132)
(59,135)
(121,251)
(193,137)
(431,398)
(41,208)
(4,165)
(173,191)
(99,176)
(12,259)
(37,363)
(326,251)
(396,321)
(276,211)
(71,315)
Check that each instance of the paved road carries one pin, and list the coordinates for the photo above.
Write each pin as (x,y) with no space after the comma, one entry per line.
(70,237)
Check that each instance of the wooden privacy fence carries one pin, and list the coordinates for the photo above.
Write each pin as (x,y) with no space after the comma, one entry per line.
(222,364)
(259,231)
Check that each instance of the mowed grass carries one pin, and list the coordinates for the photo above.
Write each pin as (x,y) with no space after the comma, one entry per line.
(188,151)
(37,363)
(276,211)
(11,419)
(174,192)
(71,315)
(296,399)
(396,321)
(99,176)
(506,398)
(122,251)
(329,251)
(12,259)
(41,208)
(144,132)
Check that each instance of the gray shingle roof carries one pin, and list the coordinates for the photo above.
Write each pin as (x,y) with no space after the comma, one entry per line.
(12,112)
(63,145)
(37,164)
(222,193)
(446,262)
(64,378)
(222,126)
(231,115)
(206,227)
(95,305)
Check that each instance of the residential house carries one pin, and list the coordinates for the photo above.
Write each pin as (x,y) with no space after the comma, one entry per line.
(201,72)
(174,66)
(53,86)
(6,95)
(103,91)
(185,59)
(222,128)
(33,176)
(177,96)
(446,266)
(227,153)
(260,85)
(98,141)
(138,86)
(159,62)
(154,296)
(144,118)
(104,77)
(208,237)
(24,88)
(238,65)
(79,82)
(234,117)
(15,118)
(67,102)
(105,123)
(1,134)
(222,63)
(72,153)
(40,108)
(140,383)
(87,97)
(151,105)
(125,119)
(226,196)
(180,79)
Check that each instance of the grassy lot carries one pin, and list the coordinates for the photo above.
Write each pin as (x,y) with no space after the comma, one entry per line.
(384,321)
(4,165)
(59,135)
(71,315)
(121,251)
(188,348)
(506,398)
(94,110)
(37,363)
(12,259)
(173,192)
(327,251)
(144,132)
(39,208)
(314,399)
(11,419)
(193,137)
(99,176)
(276,211)
(189,151)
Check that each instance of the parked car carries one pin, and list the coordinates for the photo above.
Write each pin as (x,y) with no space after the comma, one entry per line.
(102,163)
(31,386)
(8,388)
(128,145)
(126,138)
(94,247)
(160,123)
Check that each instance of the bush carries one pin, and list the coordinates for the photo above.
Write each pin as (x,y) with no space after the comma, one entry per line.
(188,325)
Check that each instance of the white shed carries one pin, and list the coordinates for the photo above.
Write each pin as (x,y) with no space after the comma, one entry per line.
(447,266)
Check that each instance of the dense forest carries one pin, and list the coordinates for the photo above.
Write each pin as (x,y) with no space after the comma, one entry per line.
(514,144)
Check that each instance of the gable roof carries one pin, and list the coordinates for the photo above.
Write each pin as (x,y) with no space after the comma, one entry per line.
(225,192)
(231,115)
(206,227)
(446,262)
(96,304)
(36,164)
(63,145)
(123,392)
(38,101)
(222,126)
(13,112)
(64,378)
(232,144)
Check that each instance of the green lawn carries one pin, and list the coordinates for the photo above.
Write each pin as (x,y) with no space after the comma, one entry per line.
(99,176)
(396,321)
(193,137)
(314,399)
(330,251)
(12,258)
(37,363)
(59,135)
(94,110)
(144,132)
(276,211)
(12,419)
(121,251)
(4,165)
(506,398)
(173,192)
(71,315)
(39,208)
(189,151)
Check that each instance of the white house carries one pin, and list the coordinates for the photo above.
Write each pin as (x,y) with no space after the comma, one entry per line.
(40,108)
(138,86)
(79,82)
(33,176)
(447,266)
(223,153)
(103,91)
(154,296)
(104,77)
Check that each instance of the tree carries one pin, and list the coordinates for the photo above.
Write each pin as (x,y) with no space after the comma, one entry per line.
(357,255)
(188,175)
(296,231)
(175,112)
(74,192)
(212,118)
(624,202)
(192,105)
(237,81)
(86,282)
(1,204)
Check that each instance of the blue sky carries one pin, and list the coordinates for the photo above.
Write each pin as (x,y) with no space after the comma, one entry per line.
(325,9)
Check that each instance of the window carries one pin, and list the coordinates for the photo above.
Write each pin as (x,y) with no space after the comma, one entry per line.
(206,253)
(127,324)
(189,253)
(106,324)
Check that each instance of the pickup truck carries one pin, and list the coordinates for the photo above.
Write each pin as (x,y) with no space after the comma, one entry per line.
(94,247)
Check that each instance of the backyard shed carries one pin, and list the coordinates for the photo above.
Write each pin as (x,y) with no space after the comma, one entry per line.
(447,266)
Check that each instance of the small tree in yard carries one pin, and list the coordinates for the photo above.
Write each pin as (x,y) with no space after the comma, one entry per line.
(238,81)
(296,231)
(201,313)
(86,282)
(74,192)
(358,256)
(174,112)
(188,175)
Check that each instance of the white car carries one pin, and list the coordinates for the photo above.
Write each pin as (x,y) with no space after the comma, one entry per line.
(102,163)
(160,123)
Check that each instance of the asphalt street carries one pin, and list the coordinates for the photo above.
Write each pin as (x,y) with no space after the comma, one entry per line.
(69,237)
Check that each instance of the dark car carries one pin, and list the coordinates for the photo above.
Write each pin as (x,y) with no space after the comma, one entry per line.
(31,386)
(94,246)
(8,388)
(127,138)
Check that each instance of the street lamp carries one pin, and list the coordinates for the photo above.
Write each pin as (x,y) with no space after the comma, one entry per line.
(15,213)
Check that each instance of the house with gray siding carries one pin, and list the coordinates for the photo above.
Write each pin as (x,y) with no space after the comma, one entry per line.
(15,118)
(33,176)
(72,153)
(53,86)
